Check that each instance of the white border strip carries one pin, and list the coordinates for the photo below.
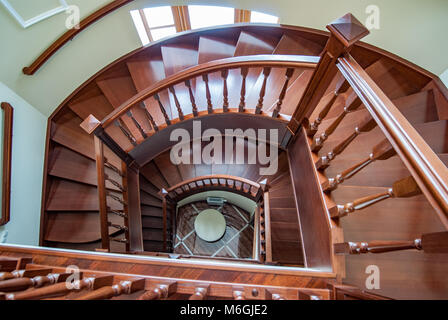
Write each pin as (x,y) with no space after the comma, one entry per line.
(25,24)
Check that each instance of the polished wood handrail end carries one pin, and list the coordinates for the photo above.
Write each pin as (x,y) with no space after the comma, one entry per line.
(348,30)
(90,124)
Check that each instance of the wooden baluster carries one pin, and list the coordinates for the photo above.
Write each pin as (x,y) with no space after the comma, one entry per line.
(272,295)
(192,99)
(162,109)
(429,243)
(120,124)
(149,117)
(365,126)
(266,73)
(20,284)
(102,198)
(30,273)
(353,103)
(176,101)
(376,246)
(403,188)
(61,289)
(116,198)
(238,294)
(225,102)
(308,295)
(161,291)
(117,226)
(118,213)
(242,106)
(107,292)
(342,86)
(115,183)
(120,240)
(110,166)
(278,107)
(137,124)
(208,94)
(382,151)
(200,293)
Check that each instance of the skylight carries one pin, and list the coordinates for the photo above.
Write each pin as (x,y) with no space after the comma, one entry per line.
(262,17)
(156,23)
(207,16)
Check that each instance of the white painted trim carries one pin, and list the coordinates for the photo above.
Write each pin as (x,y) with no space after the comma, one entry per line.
(45,15)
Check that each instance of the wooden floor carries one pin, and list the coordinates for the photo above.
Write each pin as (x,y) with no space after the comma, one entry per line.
(236,242)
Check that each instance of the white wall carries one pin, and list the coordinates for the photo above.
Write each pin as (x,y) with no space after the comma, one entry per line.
(28,148)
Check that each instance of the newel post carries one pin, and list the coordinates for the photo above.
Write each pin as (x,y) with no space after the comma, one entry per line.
(344,33)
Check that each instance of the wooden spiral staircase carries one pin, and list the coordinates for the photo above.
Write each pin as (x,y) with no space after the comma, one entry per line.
(360,130)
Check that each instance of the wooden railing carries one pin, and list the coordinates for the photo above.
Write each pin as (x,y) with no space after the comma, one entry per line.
(92,284)
(258,192)
(185,80)
(428,174)
(248,188)
(118,195)
(70,34)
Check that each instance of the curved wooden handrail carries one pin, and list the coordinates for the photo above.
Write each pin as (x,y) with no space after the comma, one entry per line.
(427,169)
(255,61)
(254,189)
(70,34)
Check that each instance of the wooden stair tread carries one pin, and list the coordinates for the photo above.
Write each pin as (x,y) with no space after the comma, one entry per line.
(152,222)
(168,169)
(215,48)
(65,195)
(297,46)
(171,54)
(67,132)
(152,174)
(151,211)
(145,74)
(149,200)
(76,227)
(67,164)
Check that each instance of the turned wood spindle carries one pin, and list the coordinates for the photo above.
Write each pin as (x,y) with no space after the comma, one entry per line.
(62,288)
(208,94)
(192,99)
(239,295)
(266,73)
(342,86)
(176,102)
(149,117)
(365,126)
(23,283)
(225,102)
(242,106)
(120,124)
(107,292)
(278,107)
(28,273)
(199,293)
(137,124)
(161,291)
(381,151)
(353,103)
(403,188)
(162,109)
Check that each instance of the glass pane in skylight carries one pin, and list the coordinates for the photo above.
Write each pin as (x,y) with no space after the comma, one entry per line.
(140,27)
(262,17)
(159,16)
(207,16)
(162,33)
